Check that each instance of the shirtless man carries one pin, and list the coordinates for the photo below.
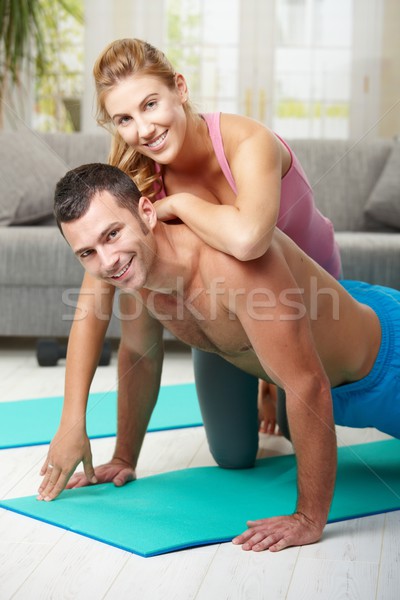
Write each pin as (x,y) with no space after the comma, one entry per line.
(280,317)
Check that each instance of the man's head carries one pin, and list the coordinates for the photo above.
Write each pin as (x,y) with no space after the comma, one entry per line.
(75,191)
(106,222)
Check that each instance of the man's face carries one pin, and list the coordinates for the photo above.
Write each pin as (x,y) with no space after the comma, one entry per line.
(111,244)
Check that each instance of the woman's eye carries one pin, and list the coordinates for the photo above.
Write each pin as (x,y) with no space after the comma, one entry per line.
(113,233)
(123,120)
(152,104)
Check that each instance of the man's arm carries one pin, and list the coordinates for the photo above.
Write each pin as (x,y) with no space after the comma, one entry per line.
(70,444)
(140,359)
(281,336)
(140,362)
(138,383)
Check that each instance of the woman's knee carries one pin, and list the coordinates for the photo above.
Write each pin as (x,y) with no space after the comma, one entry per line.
(234,456)
(281,414)
(228,402)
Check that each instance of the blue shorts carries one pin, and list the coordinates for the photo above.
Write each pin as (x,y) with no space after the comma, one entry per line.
(374,401)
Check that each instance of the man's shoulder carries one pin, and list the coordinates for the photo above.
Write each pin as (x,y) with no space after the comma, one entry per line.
(216,264)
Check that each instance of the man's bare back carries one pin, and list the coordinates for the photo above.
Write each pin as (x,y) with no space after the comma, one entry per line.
(282,286)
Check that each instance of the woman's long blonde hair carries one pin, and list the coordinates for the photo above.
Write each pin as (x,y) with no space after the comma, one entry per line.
(119,60)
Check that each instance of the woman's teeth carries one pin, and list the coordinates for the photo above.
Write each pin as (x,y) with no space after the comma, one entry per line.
(158,141)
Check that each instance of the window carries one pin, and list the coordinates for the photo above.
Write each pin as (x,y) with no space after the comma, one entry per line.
(312,67)
(306,68)
(58,94)
(202,41)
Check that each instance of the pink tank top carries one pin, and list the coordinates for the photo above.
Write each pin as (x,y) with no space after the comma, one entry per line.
(298,216)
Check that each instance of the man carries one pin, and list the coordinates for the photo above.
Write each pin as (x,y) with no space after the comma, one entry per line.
(280,317)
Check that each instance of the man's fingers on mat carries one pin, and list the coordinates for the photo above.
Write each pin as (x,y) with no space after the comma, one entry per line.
(48,473)
(281,545)
(56,491)
(110,472)
(254,539)
(51,483)
(278,533)
(43,485)
(243,537)
(123,477)
(89,472)
(261,539)
(77,480)
(273,543)
(44,467)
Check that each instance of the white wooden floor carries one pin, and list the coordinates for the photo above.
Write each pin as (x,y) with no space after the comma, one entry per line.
(357,559)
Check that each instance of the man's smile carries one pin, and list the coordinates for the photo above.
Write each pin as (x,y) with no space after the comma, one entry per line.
(123,271)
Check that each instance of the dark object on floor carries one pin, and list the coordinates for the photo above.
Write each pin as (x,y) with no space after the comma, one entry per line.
(50,350)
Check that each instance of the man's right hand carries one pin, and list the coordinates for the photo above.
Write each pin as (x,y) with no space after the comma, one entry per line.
(69,447)
(116,471)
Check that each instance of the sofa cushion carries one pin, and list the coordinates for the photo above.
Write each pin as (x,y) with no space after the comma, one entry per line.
(384,202)
(37,256)
(79,148)
(371,257)
(29,171)
(342,174)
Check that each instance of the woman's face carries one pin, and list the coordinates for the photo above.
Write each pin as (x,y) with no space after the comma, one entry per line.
(149,116)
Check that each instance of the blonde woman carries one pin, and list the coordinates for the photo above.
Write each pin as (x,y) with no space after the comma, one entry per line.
(228,178)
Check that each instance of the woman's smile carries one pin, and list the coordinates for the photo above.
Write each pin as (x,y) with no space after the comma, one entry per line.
(157,143)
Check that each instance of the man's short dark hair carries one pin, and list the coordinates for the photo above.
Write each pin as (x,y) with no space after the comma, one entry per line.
(75,191)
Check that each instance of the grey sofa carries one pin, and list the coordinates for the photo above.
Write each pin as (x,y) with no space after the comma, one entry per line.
(39,276)
(356,185)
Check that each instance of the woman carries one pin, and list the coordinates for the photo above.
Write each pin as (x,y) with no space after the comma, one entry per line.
(227,177)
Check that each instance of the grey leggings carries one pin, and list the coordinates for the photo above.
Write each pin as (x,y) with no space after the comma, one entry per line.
(228,403)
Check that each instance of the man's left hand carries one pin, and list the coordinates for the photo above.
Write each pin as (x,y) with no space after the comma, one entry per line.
(277,533)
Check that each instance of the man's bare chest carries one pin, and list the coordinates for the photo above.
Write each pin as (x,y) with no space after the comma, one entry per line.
(198,319)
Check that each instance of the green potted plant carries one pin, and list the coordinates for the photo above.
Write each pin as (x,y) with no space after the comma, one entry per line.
(24,25)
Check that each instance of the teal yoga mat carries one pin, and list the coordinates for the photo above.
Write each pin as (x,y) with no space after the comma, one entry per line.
(34,422)
(206,505)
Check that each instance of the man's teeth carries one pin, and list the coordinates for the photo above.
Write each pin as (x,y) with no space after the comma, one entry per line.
(158,141)
(124,270)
